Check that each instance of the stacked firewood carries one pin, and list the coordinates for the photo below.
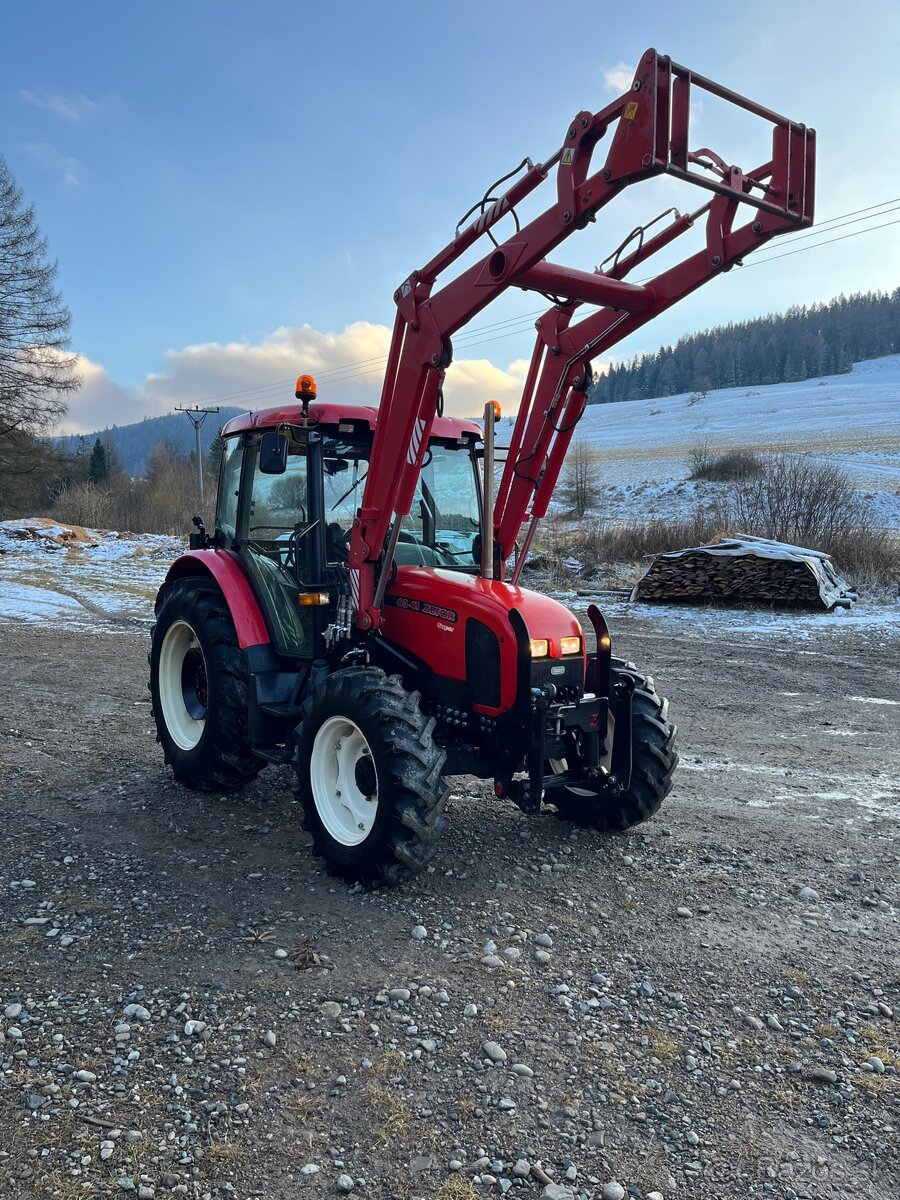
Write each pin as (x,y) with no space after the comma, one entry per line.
(781,576)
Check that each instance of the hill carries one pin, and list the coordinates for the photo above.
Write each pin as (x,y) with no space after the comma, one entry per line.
(134,442)
(802,343)
(644,447)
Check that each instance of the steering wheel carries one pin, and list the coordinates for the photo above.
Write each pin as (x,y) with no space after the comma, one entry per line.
(337,543)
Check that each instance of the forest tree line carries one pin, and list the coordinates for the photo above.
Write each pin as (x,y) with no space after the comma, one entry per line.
(802,343)
(92,488)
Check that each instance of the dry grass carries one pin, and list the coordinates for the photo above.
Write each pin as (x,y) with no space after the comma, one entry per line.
(788,497)
(867,556)
(651,1171)
(389,1062)
(662,1045)
(225,1152)
(270,983)
(389,1110)
(875,1046)
(726,465)
(68,903)
(390,1119)
(302,1106)
(173,943)
(597,544)
(457,1187)
(56,1185)
(21,935)
(795,976)
(786,1091)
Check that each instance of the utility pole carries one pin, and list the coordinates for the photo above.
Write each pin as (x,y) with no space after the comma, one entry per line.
(197,416)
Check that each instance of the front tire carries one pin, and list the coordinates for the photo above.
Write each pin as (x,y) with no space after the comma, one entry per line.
(369,777)
(199,688)
(654,759)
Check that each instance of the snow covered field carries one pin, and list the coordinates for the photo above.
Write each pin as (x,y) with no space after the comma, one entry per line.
(644,446)
(98,580)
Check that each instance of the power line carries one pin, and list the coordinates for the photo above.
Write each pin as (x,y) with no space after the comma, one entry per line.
(516,325)
(799,237)
(816,245)
(856,211)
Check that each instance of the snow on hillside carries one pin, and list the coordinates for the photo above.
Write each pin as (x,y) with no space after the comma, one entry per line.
(644,446)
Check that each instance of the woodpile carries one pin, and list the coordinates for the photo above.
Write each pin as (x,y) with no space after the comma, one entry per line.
(745,571)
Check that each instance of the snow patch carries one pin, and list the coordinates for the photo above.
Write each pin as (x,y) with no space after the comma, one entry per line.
(80,578)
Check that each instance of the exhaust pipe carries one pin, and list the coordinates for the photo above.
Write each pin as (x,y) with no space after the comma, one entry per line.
(491,412)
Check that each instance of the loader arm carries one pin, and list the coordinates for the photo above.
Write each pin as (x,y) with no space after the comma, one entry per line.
(650,136)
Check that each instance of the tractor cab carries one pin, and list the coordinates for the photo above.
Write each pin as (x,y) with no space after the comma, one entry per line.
(290,486)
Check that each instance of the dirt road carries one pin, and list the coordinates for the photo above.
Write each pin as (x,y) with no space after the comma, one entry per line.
(707,1007)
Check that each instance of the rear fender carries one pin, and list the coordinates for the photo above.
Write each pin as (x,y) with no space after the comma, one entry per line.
(224,567)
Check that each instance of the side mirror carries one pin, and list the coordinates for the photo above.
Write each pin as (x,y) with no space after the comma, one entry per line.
(273,452)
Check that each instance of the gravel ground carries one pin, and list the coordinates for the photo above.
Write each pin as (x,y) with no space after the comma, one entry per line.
(706,1007)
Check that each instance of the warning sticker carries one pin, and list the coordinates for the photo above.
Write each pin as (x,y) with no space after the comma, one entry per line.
(568,156)
(630,110)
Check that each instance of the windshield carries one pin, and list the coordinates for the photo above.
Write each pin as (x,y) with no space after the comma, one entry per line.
(443,524)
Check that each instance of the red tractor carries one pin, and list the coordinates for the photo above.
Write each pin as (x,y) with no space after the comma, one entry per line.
(357,610)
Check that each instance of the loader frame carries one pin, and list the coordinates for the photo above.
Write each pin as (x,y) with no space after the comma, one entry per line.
(650,136)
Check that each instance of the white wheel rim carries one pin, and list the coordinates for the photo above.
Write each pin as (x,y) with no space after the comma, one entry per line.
(340,762)
(182,685)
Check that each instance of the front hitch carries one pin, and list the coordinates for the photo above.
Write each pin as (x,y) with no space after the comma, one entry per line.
(528,794)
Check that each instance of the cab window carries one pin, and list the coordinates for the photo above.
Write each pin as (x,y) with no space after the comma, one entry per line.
(229,484)
(275,548)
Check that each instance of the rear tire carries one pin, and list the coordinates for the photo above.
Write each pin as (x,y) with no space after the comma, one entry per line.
(654,760)
(199,688)
(369,777)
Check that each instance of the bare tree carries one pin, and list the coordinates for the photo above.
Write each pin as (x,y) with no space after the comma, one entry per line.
(795,499)
(36,370)
(579,487)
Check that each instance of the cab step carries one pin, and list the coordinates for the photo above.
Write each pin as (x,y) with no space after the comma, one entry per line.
(274,754)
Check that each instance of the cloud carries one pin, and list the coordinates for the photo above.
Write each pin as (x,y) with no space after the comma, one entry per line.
(71,171)
(619,78)
(101,401)
(71,106)
(348,366)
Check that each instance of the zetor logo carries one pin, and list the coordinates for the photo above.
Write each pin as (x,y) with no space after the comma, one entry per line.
(428,610)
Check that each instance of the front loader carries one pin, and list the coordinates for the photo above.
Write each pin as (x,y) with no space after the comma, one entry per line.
(357,611)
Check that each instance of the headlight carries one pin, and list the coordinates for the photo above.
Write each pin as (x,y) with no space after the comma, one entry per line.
(540,648)
(570,645)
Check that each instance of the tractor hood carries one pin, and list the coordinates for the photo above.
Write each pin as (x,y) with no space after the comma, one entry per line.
(487,599)
(428,610)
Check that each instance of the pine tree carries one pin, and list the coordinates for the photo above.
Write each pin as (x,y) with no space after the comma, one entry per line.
(98,471)
(214,454)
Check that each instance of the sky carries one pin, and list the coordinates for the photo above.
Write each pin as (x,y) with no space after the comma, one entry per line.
(233,191)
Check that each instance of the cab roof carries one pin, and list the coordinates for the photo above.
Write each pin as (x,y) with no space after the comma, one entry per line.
(325,413)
